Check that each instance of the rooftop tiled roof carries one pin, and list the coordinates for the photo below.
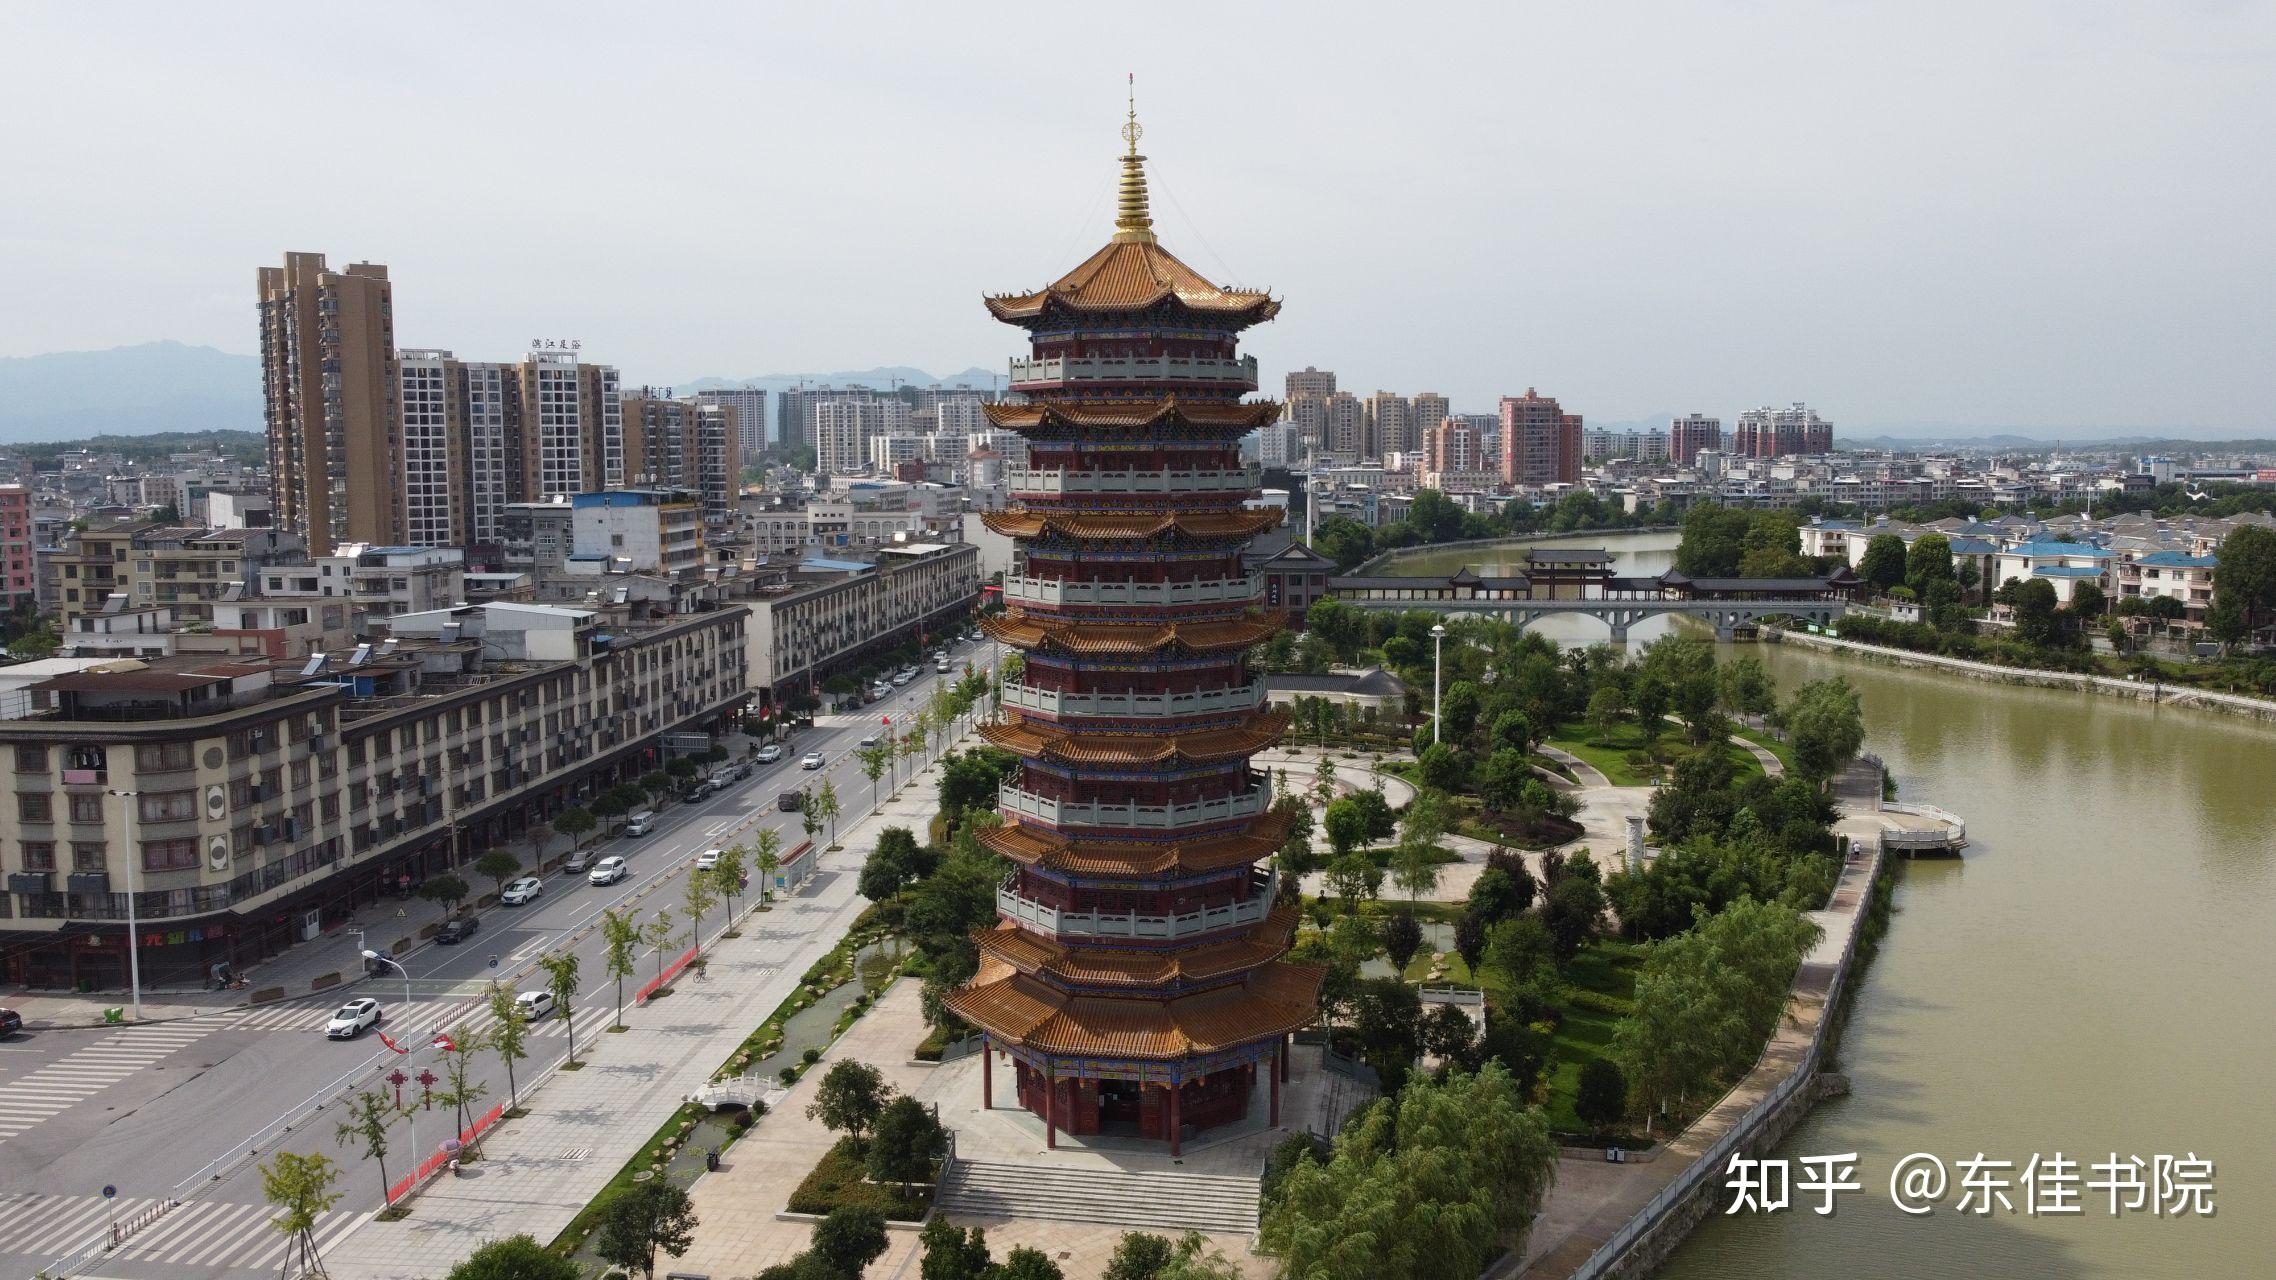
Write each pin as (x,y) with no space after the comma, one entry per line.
(1026,632)
(1245,523)
(1042,847)
(1011,1006)
(1208,746)
(1034,954)
(1132,276)
(1106,414)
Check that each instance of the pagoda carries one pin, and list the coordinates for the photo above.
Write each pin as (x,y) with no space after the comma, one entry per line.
(1135,978)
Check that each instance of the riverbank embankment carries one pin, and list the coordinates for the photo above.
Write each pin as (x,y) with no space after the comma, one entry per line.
(2110,686)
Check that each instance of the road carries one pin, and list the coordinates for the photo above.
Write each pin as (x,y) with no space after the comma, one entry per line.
(148,1110)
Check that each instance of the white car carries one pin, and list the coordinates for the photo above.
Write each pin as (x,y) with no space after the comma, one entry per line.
(770,753)
(522,891)
(813,760)
(708,859)
(868,740)
(536,1006)
(903,677)
(352,1018)
(608,870)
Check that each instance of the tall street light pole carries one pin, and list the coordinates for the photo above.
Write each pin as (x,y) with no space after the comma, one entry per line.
(397,965)
(133,926)
(1437,662)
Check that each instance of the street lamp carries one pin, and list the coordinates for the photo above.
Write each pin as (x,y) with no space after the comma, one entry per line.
(390,960)
(133,928)
(1437,660)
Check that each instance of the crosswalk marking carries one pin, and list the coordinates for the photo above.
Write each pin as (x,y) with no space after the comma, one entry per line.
(424,1019)
(200,1233)
(55,1087)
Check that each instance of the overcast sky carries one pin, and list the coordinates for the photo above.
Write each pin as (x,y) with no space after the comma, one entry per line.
(2038,215)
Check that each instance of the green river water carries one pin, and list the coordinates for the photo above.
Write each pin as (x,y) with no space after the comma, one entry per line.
(2093,977)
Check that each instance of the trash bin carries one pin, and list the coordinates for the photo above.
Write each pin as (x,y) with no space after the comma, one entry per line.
(86,986)
(114,1015)
(711,1161)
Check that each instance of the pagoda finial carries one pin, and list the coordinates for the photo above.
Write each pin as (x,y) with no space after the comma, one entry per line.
(1133,223)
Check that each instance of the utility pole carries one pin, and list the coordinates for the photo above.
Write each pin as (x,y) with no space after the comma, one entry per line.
(133,926)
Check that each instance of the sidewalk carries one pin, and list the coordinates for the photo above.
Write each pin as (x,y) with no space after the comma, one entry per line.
(540,1171)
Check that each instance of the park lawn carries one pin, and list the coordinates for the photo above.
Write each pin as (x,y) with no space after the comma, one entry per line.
(1457,973)
(1769,742)
(1606,970)
(1610,756)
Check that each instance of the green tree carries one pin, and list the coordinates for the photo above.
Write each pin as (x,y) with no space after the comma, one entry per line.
(499,865)
(2244,575)
(621,936)
(850,1099)
(908,1140)
(446,890)
(1414,863)
(826,807)
(2035,612)
(953,1252)
(1650,699)
(1459,711)
(1139,1256)
(508,1036)
(515,1258)
(1884,563)
(1442,768)
(727,875)
(1572,911)
(576,822)
(303,1188)
(1402,938)
(2087,602)
(609,806)
(1386,1021)
(1743,687)
(1518,948)
(1501,784)
(1929,560)
(1603,1095)
(461,1091)
(1605,707)
(1714,540)
(851,1238)
(1023,1263)
(698,897)
(370,1115)
(874,758)
(1512,731)
(643,1218)
(1354,877)
(1826,724)
(658,933)
(1346,826)
(561,980)
(767,857)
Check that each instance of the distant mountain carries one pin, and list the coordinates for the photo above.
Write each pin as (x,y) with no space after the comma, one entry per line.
(156,386)
(880,379)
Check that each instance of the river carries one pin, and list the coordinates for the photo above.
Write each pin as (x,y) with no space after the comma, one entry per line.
(2094,976)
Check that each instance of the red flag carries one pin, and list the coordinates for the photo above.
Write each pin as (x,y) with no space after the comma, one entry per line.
(443,1042)
(389,1043)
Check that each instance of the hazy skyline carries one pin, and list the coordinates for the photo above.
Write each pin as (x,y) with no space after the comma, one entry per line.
(2043,216)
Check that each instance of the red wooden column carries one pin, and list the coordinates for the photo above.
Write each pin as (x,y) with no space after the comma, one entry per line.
(1174,1123)
(987,1076)
(1051,1107)
(1279,1054)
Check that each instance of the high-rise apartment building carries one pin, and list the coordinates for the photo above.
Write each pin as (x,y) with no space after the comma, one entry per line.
(797,421)
(750,406)
(1452,447)
(329,381)
(1390,425)
(479,435)
(572,419)
(845,424)
(1425,412)
(691,444)
(19,559)
(1344,425)
(1691,433)
(1541,443)
(1309,414)
(1311,382)
(1776,433)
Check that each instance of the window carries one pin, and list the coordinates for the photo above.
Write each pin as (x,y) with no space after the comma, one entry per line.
(170,855)
(87,857)
(39,855)
(31,759)
(155,756)
(169,806)
(87,809)
(35,807)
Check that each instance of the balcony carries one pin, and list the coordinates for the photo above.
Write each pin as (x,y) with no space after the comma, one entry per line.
(1055,592)
(1095,924)
(1058,371)
(1199,702)
(1056,482)
(1058,813)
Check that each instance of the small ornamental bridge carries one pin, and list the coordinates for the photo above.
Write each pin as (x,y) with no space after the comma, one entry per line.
(1563,582)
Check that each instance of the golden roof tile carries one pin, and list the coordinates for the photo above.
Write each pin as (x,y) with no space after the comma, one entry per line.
(1272,1000)
(1205,746)
(1034,954)
(1099,415)
(1087,638)
(1042,847)
(1130,275)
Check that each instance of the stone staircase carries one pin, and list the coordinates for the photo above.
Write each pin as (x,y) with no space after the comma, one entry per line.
(1163,1201)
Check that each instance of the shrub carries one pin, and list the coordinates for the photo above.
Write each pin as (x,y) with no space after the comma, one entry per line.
(840,1180)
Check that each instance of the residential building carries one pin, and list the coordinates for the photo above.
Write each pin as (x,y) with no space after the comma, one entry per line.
(1691,433)
(638,531)
(185,566)
(266,802)
(1344,426)
(1778,433)
(813,617)
(2171,575)
(750,407)
(844,426)
(1424,413)
(691,444)
(19,549)
(1310,382)
(1540,442)
(1390,424)
(328,379)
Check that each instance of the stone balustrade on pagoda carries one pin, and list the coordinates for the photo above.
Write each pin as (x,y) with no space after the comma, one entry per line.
(1137,975)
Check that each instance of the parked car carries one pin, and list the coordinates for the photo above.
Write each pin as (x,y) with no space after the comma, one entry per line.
(522,891)
(770,753)
(352,1018)
(739,772)
(11,1023)
(608,870)
(813,760)
(880,690)
(578,861)
(641,823)
(941,667)
(903,677)
(708,859)
(457,929)
(536,1006)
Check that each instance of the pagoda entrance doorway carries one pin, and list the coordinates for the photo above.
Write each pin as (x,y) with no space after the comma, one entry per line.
(1120,1103)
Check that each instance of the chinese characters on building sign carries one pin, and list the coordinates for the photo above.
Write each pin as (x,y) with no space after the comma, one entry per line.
(556,344)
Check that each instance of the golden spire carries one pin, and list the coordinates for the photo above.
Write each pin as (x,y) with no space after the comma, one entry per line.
(1132,223)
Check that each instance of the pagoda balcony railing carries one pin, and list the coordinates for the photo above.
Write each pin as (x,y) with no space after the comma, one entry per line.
(1056,591)
(1053,482)
(1196,702)
(1048,371)
(1063,813)
(1108,924)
